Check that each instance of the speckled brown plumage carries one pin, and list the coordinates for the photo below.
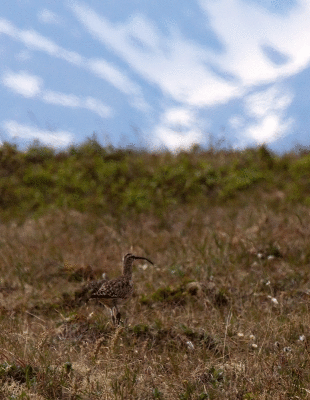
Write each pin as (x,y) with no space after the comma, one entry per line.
(112,293)
(87,290)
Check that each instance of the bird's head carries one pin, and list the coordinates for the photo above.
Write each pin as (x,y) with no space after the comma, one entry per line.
(129,257)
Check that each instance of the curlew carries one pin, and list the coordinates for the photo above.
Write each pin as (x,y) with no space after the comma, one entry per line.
(114,292)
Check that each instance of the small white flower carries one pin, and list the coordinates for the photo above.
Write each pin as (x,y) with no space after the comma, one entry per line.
(267,283)
(302,338)
(240,334)
(190,345)
(252,337)
(260,255)
(254,346)
(274,300)
(287,349)
(271,257)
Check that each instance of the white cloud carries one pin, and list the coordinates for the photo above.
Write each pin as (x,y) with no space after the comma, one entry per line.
(179,117)
(244,29)
(178,129)
(236,122)
(175,64)
(107,71)
(179,67)
(97,106)
(55,139)
(175,141)
(61,99)
(35,41)
(118,79)
(23,83)
(268,109)
(143,32)
(273,99)
(29,86)
(268,129)
(71,57)
(46,16)
(183,73)
(101,68)
(6,27)
(73,101)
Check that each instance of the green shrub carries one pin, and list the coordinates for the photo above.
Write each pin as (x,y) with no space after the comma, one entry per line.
(108,180)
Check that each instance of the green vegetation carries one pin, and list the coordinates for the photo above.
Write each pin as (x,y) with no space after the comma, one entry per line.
(223,313)
(105,180)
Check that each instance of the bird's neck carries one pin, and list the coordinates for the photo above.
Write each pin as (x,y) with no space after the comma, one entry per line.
(127,270)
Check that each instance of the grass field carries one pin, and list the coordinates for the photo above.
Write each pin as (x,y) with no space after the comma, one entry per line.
(223,313)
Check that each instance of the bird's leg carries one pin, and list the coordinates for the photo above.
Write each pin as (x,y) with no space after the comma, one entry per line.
(116,315)
(112,316)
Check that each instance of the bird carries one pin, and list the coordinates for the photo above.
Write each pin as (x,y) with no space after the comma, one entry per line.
(115,291)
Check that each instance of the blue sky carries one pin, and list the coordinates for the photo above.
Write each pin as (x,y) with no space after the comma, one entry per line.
(157,74)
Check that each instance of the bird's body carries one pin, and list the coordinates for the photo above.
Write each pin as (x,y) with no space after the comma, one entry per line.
(114,292)
(85,293)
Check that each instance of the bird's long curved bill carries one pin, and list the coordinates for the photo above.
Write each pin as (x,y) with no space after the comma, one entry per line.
(143,258)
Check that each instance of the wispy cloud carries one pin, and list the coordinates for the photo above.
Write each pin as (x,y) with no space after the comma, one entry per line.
(28,85)
(46,16)
(95,105)
(265,116)
(62,99)
(55,139)
(35,41)
(7,28)
(247,30)
(274,99)
(72,101)
(22,83)
(100,67)
(176,64)
(258,48)
(178,130)
(268,129)
(118,79)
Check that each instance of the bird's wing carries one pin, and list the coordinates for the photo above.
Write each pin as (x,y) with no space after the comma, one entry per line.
(86,291)
(116,288)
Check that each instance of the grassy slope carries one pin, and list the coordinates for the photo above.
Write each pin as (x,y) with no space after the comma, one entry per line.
(99,180)
(222,315)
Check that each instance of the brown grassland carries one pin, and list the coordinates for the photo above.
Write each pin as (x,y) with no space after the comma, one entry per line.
(223,313)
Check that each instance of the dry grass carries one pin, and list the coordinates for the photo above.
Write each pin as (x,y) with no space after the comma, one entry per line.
(224,314)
